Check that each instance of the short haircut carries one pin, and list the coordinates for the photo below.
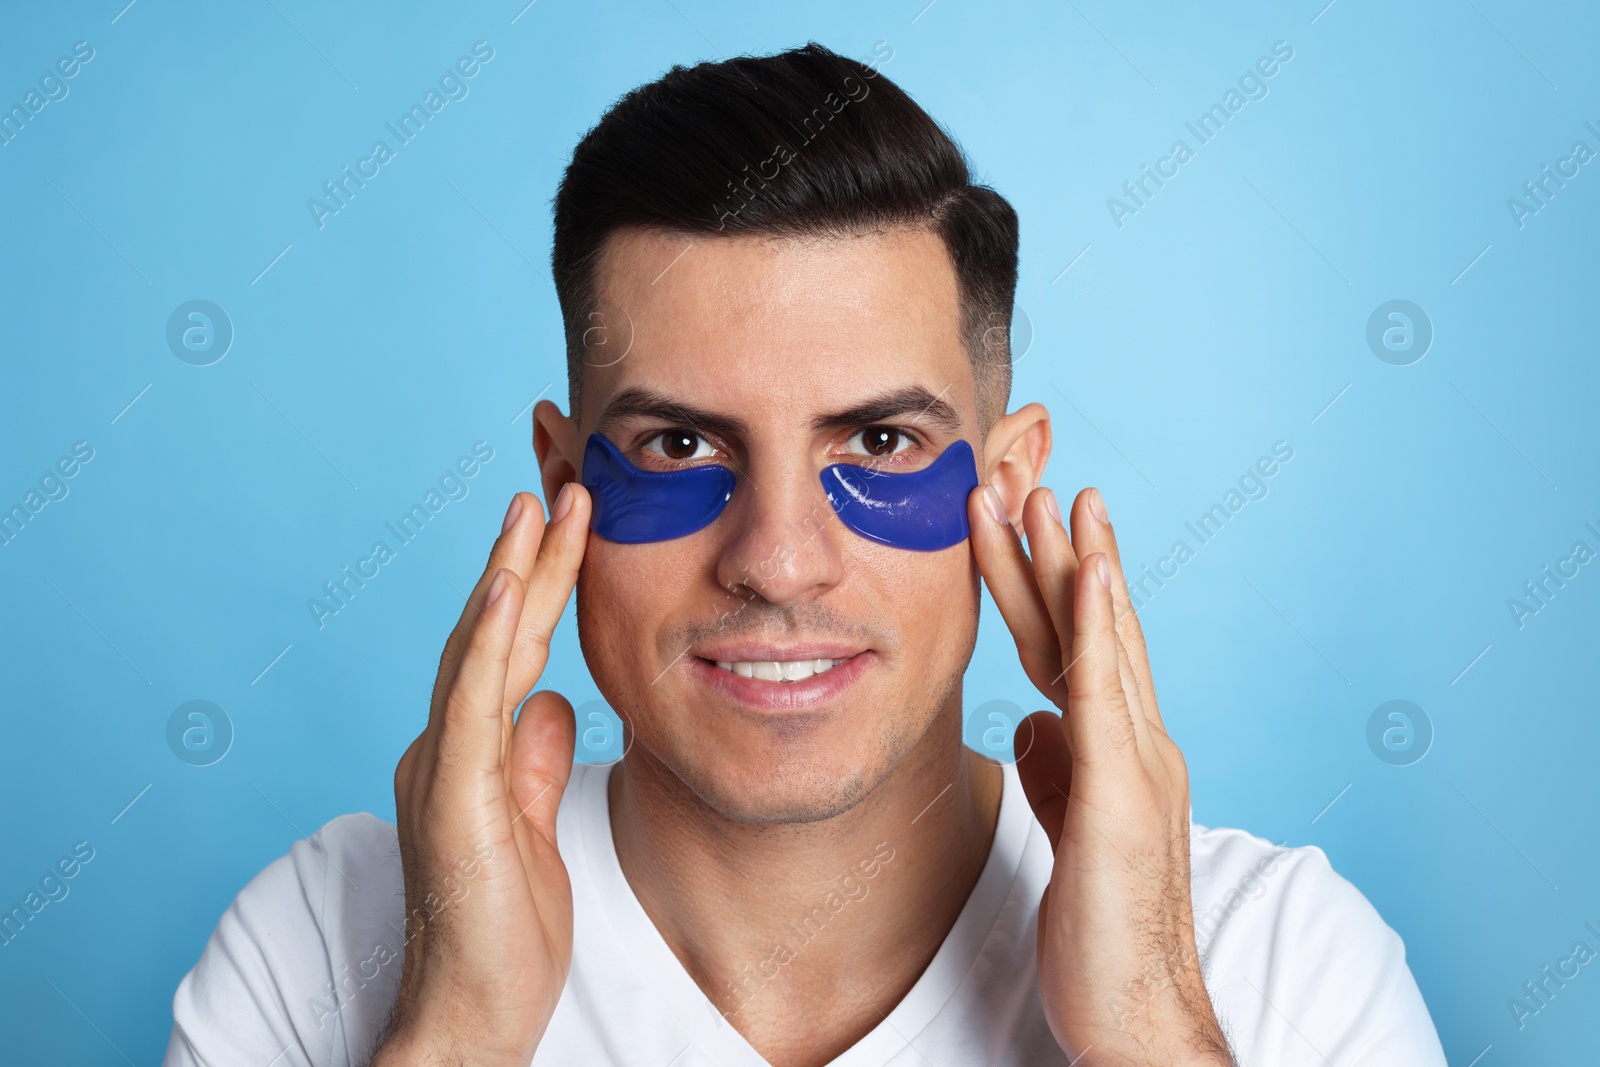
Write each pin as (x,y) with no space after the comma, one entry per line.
(694,152)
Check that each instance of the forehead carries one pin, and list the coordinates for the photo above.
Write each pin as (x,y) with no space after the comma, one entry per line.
(777,327)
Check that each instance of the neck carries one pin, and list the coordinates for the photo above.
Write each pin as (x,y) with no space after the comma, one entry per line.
(810,930)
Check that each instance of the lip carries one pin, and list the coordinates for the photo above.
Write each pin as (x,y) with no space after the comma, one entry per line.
(757,652)
(807,695)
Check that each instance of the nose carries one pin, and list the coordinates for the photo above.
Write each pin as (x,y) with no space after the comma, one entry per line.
(783,540)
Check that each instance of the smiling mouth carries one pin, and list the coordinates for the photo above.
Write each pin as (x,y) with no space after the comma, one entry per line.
(795,670)
(794,683)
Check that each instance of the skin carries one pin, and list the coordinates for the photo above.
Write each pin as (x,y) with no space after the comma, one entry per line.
(730,820)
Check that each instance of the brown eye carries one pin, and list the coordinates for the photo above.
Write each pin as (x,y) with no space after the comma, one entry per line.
(881,440)
(679,445)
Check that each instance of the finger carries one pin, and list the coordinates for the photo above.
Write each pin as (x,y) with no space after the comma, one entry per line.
(1092,532)
(1055,563)
(1099,726)
(471,733)
(540,762)
(1044,764)
(520,535)
(538,769)
(1009,574)
(1142,727)
(1125,673)
(553,576)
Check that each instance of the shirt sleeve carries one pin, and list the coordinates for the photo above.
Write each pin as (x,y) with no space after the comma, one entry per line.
(291,975)
(1304,971)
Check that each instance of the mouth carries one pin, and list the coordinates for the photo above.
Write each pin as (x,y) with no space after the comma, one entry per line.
(780,679)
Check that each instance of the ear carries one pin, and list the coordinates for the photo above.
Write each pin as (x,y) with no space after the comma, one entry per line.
(1014,455)
(556,445)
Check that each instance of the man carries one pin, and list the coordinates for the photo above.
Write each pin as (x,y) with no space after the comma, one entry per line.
(787,466)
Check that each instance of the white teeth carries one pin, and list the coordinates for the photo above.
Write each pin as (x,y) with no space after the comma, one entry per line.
(779,671)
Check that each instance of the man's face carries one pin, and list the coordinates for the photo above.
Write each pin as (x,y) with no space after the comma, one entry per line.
(777,359)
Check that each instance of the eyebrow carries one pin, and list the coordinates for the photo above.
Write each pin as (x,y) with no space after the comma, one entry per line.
(913,400)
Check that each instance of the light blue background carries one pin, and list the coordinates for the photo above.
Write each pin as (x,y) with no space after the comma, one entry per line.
(1223,317)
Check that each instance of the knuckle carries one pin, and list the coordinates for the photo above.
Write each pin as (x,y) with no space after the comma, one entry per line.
(1128,622)
(535,634)
(1101,689)
(459,705)
(1111,697)
(452,648)
(486,643)
(449,760)
(1177,765)
(1030,647)
(448,660)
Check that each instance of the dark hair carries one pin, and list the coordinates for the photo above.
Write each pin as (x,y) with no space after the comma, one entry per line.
(692,152)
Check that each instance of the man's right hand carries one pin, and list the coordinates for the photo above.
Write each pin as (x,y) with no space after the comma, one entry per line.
(486,956)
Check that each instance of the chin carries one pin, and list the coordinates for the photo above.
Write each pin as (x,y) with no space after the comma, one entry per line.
(765,777)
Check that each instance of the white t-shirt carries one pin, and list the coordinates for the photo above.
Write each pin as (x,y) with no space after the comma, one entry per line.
(305,964)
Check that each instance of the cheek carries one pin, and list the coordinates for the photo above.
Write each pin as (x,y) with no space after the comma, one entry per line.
(627,596)
(930,599)
(614,600)
(926,604)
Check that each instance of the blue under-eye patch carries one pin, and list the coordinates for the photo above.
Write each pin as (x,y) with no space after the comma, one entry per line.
(923,510)
(634,507)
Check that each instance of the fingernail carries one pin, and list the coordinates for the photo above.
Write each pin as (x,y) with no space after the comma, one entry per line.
(1097,506)
(1103,569)
(997,510)
(512,513)
(1051,506)
(496,587)
(563,503)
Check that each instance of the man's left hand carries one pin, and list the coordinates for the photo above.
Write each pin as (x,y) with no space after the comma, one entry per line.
(1118,966)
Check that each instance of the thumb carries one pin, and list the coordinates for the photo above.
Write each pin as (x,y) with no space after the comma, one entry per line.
(1044,764)
(541,758)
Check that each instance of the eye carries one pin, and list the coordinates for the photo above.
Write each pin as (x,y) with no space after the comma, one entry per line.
(880,442)
(680,445)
